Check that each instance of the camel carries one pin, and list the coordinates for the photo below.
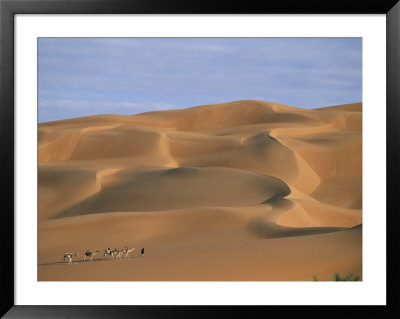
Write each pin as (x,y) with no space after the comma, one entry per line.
(109,252)
(89,254)
(126,251)
(117,253)
(68,257)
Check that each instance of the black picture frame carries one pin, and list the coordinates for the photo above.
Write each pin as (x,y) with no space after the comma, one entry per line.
(8,8)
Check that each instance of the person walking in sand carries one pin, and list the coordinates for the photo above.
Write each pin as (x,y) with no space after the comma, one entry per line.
(142,252)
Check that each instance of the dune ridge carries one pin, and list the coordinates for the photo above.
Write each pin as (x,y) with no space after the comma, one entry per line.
(248,172)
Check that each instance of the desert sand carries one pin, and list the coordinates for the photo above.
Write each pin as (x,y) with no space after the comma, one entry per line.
(240,191)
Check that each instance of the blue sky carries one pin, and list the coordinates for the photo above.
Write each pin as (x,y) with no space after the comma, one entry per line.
(87,76)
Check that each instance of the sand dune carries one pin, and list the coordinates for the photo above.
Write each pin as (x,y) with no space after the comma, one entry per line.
(250,184)
(182,187)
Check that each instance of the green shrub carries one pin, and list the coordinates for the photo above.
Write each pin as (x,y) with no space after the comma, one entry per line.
(349,277)
(336,277)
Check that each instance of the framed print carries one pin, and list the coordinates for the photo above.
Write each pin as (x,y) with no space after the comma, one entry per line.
(159,154)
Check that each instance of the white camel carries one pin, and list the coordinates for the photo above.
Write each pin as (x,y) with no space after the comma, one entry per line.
(117,253)
(127,251)
(68,257)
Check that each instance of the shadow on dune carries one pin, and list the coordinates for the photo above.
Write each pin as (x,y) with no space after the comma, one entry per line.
(182,187)
(81,261)
(269,230)
(278,201)
(74,262)
(263,228)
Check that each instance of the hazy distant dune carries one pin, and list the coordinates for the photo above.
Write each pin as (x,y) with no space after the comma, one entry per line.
(354,107)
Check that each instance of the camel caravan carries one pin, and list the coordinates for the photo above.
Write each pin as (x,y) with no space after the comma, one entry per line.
(108,253)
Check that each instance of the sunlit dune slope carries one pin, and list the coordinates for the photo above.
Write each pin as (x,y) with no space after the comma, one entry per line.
(235,172)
